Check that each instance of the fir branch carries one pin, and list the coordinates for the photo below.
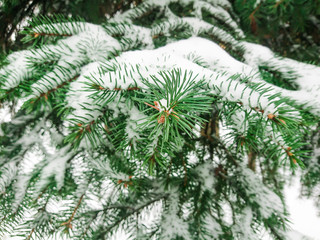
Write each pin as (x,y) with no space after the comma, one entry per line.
(100,88)
(30,234)
(42,209)
(45,94)
(252,19)
(185,173)
(214,139)
(37,34)
(132,211)
(68,223)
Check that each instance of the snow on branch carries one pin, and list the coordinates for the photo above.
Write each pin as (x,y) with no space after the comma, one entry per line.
(172,225)
(269,203)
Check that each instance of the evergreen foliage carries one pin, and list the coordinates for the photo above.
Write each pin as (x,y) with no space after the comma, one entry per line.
(14,15)
(166,107)
(290,27)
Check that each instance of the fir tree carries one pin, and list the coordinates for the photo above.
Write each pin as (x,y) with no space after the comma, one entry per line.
(166,108)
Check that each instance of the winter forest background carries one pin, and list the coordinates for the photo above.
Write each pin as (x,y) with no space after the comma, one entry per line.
(159,119)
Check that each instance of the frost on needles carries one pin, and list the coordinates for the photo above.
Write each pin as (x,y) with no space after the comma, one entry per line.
(162,123)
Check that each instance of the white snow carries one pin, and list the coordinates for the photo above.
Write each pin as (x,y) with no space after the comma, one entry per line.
(303,213)
(8,174)
(243,228)
(239,121)
(306,76)
(56,167)
(172,225)
(268,201)
(20,189)
(206,173)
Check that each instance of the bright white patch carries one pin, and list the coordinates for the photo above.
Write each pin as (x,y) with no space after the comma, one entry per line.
(243,228)
(206,173)
(56,168)
(172,225)
(268,201)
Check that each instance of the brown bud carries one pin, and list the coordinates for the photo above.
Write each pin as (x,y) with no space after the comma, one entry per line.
(107,129)
(161,119)
(271,116)
(222,46)
(281,120)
